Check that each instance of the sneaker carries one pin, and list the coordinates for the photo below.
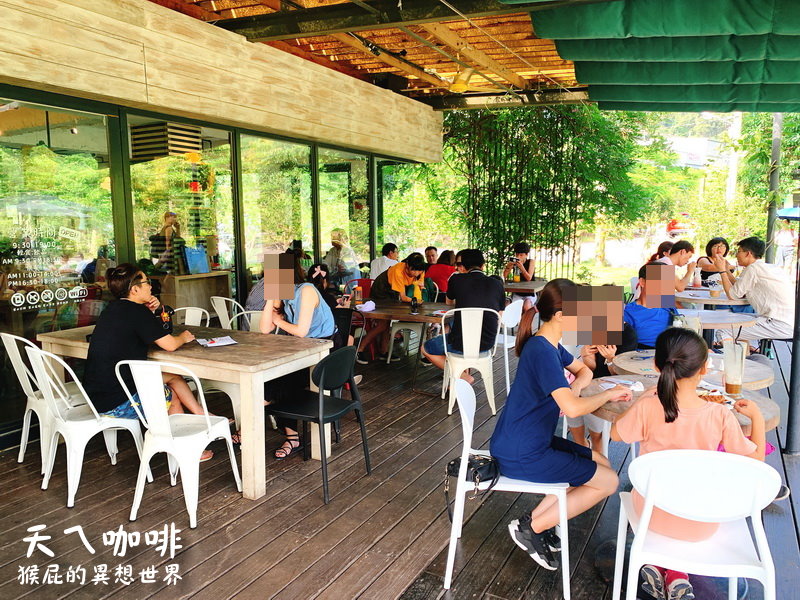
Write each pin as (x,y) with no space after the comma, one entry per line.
(678,586)
(385,355)
(552,539)
(362,358)
(533,543)
(425,362)
(653,582)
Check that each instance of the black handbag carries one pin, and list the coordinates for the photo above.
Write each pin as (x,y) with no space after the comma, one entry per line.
(479,470)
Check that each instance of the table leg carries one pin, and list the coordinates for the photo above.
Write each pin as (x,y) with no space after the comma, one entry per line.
(315,453)
(254,467)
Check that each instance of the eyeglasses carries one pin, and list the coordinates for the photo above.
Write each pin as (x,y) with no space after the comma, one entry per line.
(142,282)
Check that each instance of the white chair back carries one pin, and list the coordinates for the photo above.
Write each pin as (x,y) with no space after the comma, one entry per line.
(471,329)
(44,366)
(152,409)
(24,375)
(513,314)
(252,317)
(194,316)
(225,307)
(704,485)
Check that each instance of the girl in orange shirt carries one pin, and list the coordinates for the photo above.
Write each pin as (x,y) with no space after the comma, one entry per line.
(672,416)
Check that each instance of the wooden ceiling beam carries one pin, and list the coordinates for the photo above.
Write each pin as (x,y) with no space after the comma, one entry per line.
(341,18)
(538,98)
(394,62)
(193,10)
(462,47)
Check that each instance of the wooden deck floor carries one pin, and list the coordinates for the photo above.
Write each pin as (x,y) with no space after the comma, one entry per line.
(382,536)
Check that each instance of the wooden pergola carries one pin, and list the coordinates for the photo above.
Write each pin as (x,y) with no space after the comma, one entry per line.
(448,53)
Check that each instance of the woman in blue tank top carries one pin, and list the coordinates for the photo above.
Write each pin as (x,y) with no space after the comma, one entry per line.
(304,315)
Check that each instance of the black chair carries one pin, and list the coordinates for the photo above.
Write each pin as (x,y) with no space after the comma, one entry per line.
(330,374)
(343,318)
(767,348)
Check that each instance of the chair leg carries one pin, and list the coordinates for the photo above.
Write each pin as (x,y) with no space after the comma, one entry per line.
(619,562)
(234,466)
(75,451)
(564,522)
(110,435)
(606,436)
(508,372)
(488,384)
(144,468)
(445,380)
(324,460)
(173,466)
(26,428)
(455,533)
(45,435)
(769,584)
(52,446)
(452,401)
(136,433)
(364,442)
(190,481)
(733,588)
(632,587)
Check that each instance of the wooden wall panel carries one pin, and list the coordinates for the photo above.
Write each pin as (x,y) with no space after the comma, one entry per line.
(139,54)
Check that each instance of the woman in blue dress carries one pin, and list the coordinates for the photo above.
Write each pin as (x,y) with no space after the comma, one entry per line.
(524,441)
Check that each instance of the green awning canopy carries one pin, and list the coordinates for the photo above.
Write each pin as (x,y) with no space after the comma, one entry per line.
(682,55)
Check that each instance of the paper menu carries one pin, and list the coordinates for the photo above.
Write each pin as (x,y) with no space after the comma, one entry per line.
(225,340)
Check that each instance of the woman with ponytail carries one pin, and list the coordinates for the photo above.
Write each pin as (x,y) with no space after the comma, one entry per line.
(672,416)
(524,441)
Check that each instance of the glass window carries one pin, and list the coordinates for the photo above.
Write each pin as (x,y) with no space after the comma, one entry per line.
(276,188)
(343,213)
(410,215)
(56,232)
(182,208)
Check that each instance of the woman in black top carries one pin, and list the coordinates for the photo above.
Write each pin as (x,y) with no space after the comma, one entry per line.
(716,247)
(526,267)
(124,331)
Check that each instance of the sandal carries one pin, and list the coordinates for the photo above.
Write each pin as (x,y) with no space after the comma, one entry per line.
(206,456)
(283,451)
(236,438)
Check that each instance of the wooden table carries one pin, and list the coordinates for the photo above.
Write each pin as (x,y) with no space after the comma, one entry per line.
(611,411)
(254,360)
(702,296)
(533,286)
(757,375)
(401,311)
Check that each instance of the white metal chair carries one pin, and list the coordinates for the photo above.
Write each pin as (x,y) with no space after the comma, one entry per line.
(225,307)
(183,437)
(606,433)
(194,316)
(472,357)
(466,408)
(511,318)
(76,424)
(416,328)
(35,402)
(706,486)
(251,317)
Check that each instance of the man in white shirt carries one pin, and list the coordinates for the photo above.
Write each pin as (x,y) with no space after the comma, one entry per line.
(767,289)
(388,258)
(681,256)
